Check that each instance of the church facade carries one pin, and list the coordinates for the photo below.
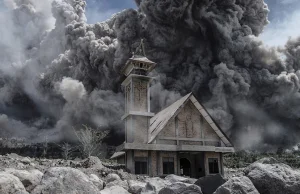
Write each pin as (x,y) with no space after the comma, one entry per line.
(181,139)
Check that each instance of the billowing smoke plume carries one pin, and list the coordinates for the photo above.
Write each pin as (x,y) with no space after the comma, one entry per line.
(57,71)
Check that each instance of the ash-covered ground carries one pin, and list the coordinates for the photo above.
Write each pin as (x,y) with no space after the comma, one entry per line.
(25,175)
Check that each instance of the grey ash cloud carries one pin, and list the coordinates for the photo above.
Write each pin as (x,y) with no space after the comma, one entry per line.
(207,47)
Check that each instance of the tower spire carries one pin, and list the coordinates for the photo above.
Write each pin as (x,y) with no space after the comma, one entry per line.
(137,96)
(138,64)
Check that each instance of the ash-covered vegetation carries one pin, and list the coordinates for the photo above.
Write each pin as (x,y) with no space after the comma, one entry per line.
(242,159)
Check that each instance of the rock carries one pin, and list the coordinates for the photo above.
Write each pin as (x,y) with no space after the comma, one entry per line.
(25,160)
(114,190)
(112,177)
(30,179)
(20,166)
(209,184)
(237,185)
(135,187)
(120,183)
(92,162)
(13,156)
(270,160)
(174,178)
(154,185)
(11,184)
(97,182)
(61,180)
(181,188)
(270,177)
(32,164)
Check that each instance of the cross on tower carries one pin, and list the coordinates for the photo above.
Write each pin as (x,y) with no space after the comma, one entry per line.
(140,50)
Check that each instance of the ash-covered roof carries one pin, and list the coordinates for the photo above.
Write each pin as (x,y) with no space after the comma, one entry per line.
(117,155)
(140,58)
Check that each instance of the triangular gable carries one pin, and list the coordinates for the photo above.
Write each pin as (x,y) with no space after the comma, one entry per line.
(160,120)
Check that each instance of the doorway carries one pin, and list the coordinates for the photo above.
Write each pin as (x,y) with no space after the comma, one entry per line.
(185,167)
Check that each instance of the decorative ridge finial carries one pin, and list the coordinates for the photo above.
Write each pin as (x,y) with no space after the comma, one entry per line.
(140,50)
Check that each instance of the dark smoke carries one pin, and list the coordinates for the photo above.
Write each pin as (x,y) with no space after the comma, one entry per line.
(67,73)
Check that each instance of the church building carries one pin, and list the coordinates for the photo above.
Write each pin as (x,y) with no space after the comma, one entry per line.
(181,139)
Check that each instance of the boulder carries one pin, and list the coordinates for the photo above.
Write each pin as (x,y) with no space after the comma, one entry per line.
(120,183)
(30,179)
(114,190)
(61,180)
(135,187)
(181,188)
(11,184)
(271,177)
(209,184)
(112,177)
(154,185)
(14,156)
(25,160)
(269,160)
(92,162)
(237,185)
(174,178)
(97,182)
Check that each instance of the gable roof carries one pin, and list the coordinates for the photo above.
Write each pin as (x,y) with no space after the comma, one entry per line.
(160,120)
(117,155)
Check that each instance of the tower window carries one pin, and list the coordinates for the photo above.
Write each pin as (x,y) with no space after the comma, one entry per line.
(141,165)
(213,165)
(168,165)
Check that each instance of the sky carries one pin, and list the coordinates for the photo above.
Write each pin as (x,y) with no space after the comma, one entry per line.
(284,17)
(100,10)
(284,22)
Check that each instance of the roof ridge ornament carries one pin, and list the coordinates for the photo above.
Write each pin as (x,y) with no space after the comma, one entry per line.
(140,50)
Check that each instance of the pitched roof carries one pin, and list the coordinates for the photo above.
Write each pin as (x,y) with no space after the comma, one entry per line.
(160,120)
(117,155)
(140,58)
(140,53)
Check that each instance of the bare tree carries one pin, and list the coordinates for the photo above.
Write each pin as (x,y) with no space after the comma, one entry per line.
(90,139)
(45,147)
(67,150)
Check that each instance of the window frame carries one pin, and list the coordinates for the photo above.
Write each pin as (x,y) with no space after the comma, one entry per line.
(141,160)
(168,160)
(218,165)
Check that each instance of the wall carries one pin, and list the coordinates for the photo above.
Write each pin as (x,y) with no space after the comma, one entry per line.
(153,163)
(130,161)
(136,129)
(189,125)
(140,95)
(129,130)
(209,133)
(140,126)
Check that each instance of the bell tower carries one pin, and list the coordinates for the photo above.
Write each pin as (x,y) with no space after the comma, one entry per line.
(137,96)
